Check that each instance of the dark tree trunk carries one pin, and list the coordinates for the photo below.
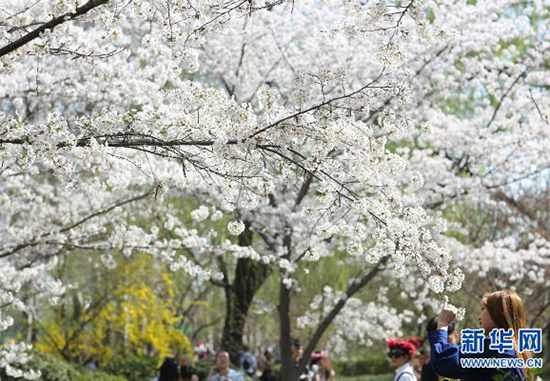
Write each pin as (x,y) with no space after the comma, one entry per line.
(249,277)
(289,372)
(547,353)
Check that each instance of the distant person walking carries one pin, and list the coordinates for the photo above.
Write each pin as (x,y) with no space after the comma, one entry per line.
(170,370)
(248,362)
(321,367)
(264,365)
(307,374)
(221,370)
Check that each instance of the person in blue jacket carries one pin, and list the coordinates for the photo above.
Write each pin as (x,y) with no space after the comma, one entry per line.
(501,309)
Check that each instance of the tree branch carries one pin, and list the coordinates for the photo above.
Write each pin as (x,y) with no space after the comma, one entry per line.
(323,326)
(50,25)
(522,74)
(74,225)
(303,189)
(312,108)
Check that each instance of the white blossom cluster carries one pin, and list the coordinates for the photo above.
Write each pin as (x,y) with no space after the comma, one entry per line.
(507,264)
(357,322)
(14,355)
(365,323)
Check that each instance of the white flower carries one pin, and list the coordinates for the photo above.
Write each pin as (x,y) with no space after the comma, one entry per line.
(32,374)
(200,214)
(354,249)
(6,323)
(454,281)
(436,283)
(311,256)
(235,227)
(13,372)
(216,215)
(108,261)
(417,180)
(288,282)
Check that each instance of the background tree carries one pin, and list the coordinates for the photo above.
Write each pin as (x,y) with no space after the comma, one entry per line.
(304,124)
(130,311)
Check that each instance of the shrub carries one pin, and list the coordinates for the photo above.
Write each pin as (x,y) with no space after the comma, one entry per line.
(371,365)
(543,373)
(202,367)
(133,368)
(370,377)
(53,369)
(95,375)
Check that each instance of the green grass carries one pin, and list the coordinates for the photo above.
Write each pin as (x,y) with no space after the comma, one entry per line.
(543,373)
(367,377)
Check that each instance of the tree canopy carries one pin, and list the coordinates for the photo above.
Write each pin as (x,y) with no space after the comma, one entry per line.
(309,128)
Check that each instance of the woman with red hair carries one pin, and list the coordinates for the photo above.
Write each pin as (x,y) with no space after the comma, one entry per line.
(400,354)
(501,309)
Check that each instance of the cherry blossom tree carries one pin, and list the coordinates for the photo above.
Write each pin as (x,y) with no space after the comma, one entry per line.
(310,126)
(510,249)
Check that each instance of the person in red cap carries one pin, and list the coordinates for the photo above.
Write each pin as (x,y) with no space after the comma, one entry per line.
(321,367)
(400,354)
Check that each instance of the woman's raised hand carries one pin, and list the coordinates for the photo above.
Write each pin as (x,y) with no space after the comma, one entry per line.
(446,316)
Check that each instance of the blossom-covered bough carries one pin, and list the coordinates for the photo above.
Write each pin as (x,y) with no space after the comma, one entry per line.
(313,126)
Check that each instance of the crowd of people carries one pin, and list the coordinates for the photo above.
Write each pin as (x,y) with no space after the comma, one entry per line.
(501,309)
(251,367)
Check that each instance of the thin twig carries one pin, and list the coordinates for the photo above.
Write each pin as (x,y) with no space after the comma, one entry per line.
(50,25)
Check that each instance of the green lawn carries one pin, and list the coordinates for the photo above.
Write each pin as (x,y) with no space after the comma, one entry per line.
(367,377)
(543,373)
